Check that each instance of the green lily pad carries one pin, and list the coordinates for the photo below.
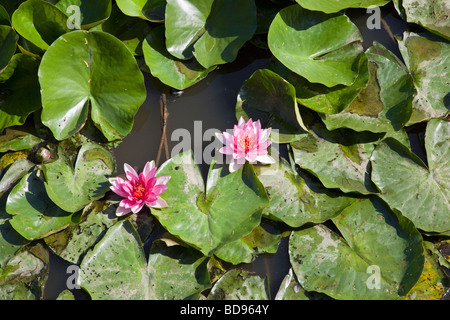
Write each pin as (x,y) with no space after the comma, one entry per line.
(319,97)
(237,284)
(230,24)
(10,240)
(14,173)
(8,45)
(432,15)
(339,158)
(177,272)
(385,104)
(330,6)
(296,199)
(73,187)
(17,139)
(428,61)
(21,76)
(269,98)
(5,20)
(74,242)
(185,24)
(116,268)
(102,74)
(212,31)
(378,256)
(152,10)
(25,275)
(290,289)
(39,22)
(176,73)
(265,238)
(130,30)
(306,42)
(419,192)
(208,219)
(91,13)
(34,214)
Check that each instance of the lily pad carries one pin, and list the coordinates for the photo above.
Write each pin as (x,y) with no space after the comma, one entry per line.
(39,22)
(10,240)
(116,268)
(13,174)
(24,277)
(34,214)
(209,219)
(8,45)
(176,272)
(152,10)
(307,43)
(271,99)
(21,76)
(432,15)
(130,30)
(385,104)
(230,24)
(174,72)
(212,31)
(95,69)
(290,289)
(17,139)
(419,192)
(330,6)
(265,238)
(90,13)
(118,260)
(428,61)
(319,97)
(5,20)
(378,256)
(295,198)
(237,284)
(73,187)
(74,242)
(185,24)
(339,158)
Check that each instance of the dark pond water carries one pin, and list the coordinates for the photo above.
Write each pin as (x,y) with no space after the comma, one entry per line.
(212,101)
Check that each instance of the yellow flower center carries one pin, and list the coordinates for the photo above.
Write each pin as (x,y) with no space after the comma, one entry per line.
(246,143)
(139,191)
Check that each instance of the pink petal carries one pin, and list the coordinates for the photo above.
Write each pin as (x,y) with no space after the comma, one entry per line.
(127,186)
(121,211)
(159,189)
(266,159)
(251,156)
(137,207)
(241,122)
(228,138)
(119,191)
(264,134)
(257,125)
(130,172)
(147,172)
(226,150)
(159,203)
(146,177)
(127,203)
(220,137)
(162,180)
(235,165)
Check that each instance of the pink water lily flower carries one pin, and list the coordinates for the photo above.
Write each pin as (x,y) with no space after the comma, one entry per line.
(139,190)
(248,142)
